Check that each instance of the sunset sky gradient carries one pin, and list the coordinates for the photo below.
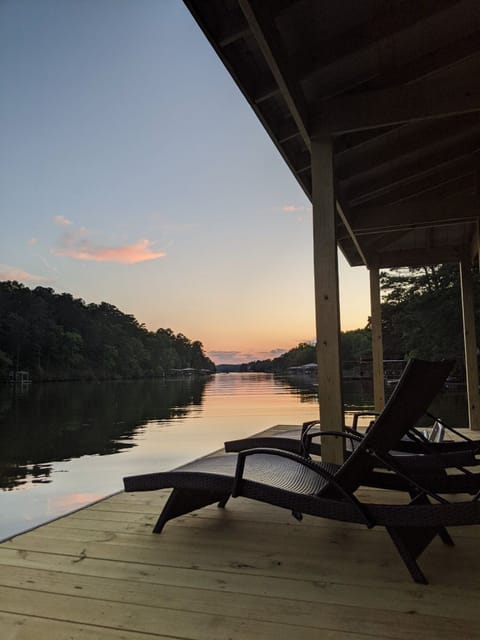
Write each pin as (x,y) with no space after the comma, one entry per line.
(132,170)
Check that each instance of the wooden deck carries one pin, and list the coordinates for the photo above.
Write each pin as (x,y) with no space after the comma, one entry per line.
(250,571)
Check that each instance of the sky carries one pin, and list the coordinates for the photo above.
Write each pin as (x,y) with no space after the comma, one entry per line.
(133,171)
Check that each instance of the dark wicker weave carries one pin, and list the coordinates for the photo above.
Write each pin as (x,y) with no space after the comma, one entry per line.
(430,467)
(301,485)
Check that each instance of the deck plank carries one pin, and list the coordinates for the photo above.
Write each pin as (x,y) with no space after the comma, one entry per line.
(18,627)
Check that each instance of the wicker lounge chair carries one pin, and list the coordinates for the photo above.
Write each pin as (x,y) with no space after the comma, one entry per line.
(303,486)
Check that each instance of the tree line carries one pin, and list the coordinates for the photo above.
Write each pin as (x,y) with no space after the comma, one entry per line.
(59,337)
(421,317)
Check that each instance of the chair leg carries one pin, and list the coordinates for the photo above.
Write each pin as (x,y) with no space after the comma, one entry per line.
(222,504)
(411,542)
(183,501)
(445,537)
(441,531)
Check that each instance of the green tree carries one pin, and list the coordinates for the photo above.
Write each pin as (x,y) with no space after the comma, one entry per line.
(56,336)
(421,312)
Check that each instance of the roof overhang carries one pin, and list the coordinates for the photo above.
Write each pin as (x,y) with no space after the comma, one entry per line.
(396,85)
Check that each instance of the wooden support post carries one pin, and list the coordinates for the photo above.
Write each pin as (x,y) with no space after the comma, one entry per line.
(377,340)
(327,304)
(470,341)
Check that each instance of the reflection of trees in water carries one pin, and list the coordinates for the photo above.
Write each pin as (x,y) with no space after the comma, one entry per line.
(60,421)
(302,386)
(357,394)
(451,404)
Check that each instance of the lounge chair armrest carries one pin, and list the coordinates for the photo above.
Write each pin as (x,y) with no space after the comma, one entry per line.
(307,426)
(362,414)
(305,462)
(346,434)
(306,437)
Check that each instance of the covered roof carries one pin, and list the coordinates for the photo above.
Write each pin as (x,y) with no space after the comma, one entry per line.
(397,85)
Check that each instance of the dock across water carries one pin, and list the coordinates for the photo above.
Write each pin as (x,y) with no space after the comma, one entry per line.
(250,571)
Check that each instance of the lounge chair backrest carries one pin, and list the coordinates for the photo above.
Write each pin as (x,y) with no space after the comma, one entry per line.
(420,382)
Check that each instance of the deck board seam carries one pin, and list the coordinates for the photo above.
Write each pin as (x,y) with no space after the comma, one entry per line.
(94,626)
(350,605)
(265,621)
(473,591)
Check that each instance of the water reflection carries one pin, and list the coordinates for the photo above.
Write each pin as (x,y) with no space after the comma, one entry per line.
(450,404)
(51,422)
(357,394)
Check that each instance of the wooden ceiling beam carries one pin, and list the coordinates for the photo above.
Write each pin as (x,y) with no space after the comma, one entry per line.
(423,100)
(259,19)
(350,231)
(429,64)
(377,244)
(403,163)
(474,244)
(453,180)
(410,178)
(289,136)
(383,26)
(241,31)
(413,215)
(414,137)
(417,257)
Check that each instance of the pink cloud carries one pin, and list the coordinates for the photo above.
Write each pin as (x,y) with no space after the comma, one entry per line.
(13,273)
(62,221)
(290,208)
(78,245)
(241,357)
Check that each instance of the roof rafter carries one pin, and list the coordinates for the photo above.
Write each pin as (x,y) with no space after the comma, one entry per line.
(400,141)
(391,184)
(410,215)
(419,257)
(423,100)
(405,163)
(388,23)
(260,22)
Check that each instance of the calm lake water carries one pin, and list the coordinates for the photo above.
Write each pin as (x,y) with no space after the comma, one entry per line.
(64,445)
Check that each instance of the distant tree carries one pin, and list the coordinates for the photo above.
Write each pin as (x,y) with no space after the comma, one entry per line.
(421,312)
(56,336)
(356,345)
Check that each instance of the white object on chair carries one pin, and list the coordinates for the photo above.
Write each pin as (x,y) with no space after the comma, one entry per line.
(437,432)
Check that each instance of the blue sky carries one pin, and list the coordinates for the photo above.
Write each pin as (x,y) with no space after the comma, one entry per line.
(133,171)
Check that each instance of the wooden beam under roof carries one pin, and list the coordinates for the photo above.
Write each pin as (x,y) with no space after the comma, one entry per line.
(382,25)
(263,28)
(413,137)
(423,100)
(391,185)
(430,63)
(403,167)
(473,243)
(350,231)
(453,179)
(417,257)
(414,214)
